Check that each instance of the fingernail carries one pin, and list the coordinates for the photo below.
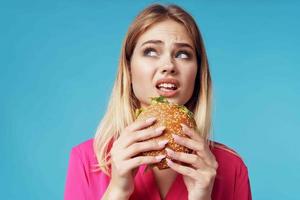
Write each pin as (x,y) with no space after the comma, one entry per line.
(169,162)
(163,143)
(169,151)
(160,129)
(185,129)
(151,120)
(160,157)
(176,137)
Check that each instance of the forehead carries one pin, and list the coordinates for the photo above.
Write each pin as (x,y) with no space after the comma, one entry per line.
(168,31)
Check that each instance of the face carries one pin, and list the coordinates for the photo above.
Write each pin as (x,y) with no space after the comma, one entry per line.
(164,63)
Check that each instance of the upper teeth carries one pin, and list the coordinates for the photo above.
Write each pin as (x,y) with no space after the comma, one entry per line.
(167,85)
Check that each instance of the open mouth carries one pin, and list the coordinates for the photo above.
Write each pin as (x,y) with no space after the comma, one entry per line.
(167,89)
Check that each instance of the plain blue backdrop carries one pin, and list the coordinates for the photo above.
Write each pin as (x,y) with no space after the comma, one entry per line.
(59,60)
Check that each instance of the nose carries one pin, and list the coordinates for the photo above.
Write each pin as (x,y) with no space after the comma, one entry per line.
(168,66)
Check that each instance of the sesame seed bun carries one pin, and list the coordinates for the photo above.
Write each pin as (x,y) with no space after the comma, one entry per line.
(171,116)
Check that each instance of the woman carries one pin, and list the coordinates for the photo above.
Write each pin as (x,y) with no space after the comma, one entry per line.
(162,43)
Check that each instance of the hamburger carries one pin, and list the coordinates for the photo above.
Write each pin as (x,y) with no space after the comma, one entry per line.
(170,115)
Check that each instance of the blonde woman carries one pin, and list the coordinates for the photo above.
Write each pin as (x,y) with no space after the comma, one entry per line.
(163,44)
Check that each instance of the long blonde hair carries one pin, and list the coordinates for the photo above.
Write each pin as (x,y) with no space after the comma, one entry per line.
(123,102)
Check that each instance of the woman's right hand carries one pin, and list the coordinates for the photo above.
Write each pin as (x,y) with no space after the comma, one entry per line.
(124,153)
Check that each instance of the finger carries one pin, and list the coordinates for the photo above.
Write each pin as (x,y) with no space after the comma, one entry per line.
(192,133)
(126,137)
(191,159)
(146,134)
(140,160)
(200,148)
(140,147)
(189,143)
(184,170)
(143,135)
(140,124)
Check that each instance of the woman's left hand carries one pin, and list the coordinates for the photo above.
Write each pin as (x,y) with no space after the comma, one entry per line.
(200,173)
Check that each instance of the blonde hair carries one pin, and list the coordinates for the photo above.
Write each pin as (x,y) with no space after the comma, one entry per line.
(123,102)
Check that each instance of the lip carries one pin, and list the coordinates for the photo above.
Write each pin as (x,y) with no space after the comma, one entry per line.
(167,93)
(168,80)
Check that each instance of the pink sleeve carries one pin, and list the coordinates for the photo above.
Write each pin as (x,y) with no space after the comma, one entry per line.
(76,182)
(242,186)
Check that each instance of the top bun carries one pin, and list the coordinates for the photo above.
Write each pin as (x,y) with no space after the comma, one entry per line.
(170,115)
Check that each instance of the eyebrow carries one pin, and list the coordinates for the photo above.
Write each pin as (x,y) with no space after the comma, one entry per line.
(161,42)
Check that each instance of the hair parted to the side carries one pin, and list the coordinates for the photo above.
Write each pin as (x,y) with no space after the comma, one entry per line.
(122,103)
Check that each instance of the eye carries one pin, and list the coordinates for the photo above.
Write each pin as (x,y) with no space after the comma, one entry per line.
(183,54)
(150,52)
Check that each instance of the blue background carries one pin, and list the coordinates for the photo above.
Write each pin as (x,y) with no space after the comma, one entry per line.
(59,60)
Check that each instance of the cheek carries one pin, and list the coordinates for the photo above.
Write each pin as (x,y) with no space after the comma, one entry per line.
(141,75)
(189,79)
(190,74)
(140,71)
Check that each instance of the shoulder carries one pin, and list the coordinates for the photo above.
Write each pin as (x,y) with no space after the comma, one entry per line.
(223,150)
(83,181)
(85,146)
(226,156)
(85,152)
(232,177)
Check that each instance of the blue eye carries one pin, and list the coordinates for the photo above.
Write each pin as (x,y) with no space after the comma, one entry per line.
(150,52)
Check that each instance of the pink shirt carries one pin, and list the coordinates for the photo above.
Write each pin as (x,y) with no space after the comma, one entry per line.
(231,182)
